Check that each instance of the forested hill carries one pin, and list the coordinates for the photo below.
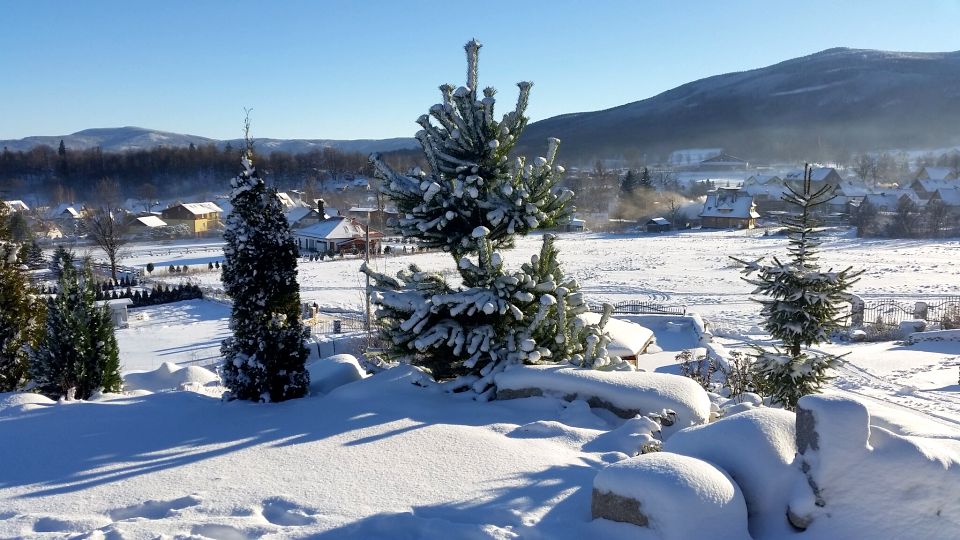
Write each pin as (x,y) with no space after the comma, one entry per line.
(826,105)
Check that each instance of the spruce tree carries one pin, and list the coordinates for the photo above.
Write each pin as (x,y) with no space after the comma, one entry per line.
(78,355)
(474,201)
(803,305)
(21,313)
(264,359)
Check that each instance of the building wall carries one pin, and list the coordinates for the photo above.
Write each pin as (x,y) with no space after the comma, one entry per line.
(728,223)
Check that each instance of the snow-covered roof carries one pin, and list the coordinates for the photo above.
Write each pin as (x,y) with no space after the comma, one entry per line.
(852,189)
(888,200)
(817,174)
(658,221)
(773,190)
(950,197)
(932,185)
(294,215)
(286,200)
(337,228)
(201,208)
(114,303)
(723,159)
(17,206)
(64,210)
(762,179)
(936,173)
(729,203)
(151,221)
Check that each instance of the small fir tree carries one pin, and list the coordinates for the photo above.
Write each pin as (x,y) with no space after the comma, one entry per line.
(79,354)
(803,305)
(475,200)
(264,359)
(21,313)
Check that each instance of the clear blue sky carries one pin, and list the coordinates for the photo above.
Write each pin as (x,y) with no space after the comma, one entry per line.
(368,68)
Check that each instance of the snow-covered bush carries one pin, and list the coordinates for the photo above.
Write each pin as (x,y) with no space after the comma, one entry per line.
(264,359)
(803,305)
(474,200)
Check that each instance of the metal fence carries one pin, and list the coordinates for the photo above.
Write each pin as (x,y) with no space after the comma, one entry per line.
(941,311)
(632,307)
(336,326)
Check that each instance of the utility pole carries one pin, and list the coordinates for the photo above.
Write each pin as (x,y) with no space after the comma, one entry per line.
(366,296)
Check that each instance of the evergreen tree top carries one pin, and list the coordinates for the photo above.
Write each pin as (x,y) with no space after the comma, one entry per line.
(473,182)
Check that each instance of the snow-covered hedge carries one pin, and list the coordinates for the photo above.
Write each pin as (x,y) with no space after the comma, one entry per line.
(626,393)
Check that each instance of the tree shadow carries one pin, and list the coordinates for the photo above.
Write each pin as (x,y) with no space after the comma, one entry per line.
(558,495)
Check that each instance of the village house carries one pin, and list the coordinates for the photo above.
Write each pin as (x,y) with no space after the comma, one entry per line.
(936,173)
(729,208)
(17,206)
(888,201)
(819,177)
(199,218)
(146,224)
(925,188)
(334,235)
(949,198)
(722,162)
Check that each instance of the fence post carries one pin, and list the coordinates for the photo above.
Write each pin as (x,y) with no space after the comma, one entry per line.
(920,310)
(856,311)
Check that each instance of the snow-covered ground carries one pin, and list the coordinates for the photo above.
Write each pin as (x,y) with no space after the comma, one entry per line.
(382,458)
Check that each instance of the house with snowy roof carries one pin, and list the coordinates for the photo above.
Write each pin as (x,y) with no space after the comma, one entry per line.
(336,234)
(65,212)
(729,208)
(17,206)
(819,176)
(722,162)
(199,218)
(949,198)
(889,200)
(764,187)
(925,188)
(146,223)
(936,173)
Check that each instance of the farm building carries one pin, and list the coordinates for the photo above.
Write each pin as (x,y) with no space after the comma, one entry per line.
(658,224)
(198,217)
(729,208)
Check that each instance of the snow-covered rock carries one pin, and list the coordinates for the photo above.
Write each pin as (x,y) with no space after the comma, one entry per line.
(16,402)
(678,497)
(934,335)
(756,448)
(332,372)
(169,376)
(626,393)
(864,481)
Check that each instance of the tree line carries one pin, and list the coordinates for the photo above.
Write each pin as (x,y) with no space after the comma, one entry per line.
(67,175)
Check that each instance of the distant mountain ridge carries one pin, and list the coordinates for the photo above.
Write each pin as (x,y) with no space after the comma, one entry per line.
(135,138)
(819,106)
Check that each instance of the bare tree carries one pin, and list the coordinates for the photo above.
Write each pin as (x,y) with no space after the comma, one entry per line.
(936,214)
(108,231)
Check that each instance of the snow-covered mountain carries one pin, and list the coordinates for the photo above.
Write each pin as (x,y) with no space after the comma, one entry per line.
(822,105)
(136,138)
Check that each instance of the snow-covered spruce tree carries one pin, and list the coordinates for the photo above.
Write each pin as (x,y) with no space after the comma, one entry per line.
(264,359)
(475,200)
(21,313)
(803,304)
(78,354)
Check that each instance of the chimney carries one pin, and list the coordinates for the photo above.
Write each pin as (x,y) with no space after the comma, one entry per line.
(320,209)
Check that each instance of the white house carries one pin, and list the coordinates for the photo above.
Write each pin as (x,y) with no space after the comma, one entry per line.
(333,234)
(17,206)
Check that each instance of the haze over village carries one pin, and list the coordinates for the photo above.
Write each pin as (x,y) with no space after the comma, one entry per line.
(634,281)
